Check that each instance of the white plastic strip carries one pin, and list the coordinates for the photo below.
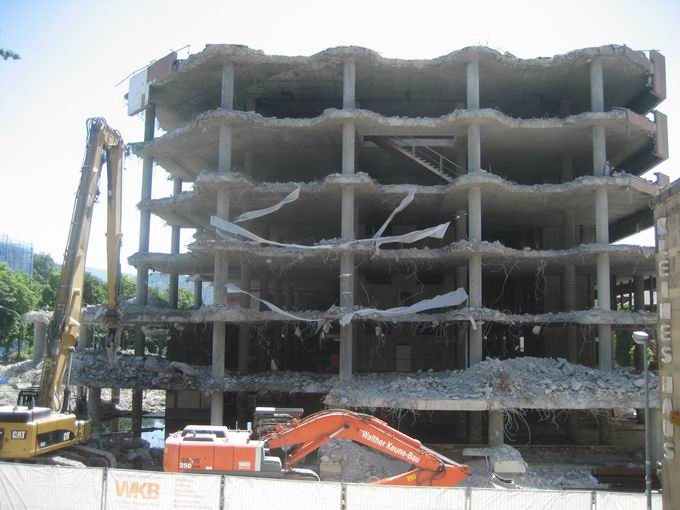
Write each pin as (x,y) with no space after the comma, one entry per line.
(251,215)
(24,486)
(453,298)
(371,497)
(223,226)
(233,289)
(405,202)
(134,490)
(243,493)
(482,499)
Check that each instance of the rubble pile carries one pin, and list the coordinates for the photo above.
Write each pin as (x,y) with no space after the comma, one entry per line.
(92,368)
(531,383)
(346,461)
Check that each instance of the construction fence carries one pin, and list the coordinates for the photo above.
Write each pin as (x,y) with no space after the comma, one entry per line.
(35,487)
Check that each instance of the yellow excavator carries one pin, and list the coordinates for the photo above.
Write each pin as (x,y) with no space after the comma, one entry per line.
(41,422)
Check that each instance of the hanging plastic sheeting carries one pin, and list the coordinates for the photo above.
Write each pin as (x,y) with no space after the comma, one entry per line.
(453,298)
(370,497)
(233,289)
(292,197)
(404,203)
(25,486)
(223,226)
(482,499)
(242,493)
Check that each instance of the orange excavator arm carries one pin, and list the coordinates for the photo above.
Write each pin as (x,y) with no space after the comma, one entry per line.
(301,437)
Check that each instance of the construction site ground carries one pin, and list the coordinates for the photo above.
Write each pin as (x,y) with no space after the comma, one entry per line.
(548,467)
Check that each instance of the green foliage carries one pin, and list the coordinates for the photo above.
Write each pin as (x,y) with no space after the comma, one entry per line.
(18,294)
(128,287)
(95,290)
(623,354)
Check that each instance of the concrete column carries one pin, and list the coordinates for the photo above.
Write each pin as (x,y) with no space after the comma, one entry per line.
(248,161)
(173,288)
(599,151)
(198,293)
(496,430)
(639,293)
(472,76)
(603,278)
(221,270)
(142,287)
(475,271)
(596,86)
(474,149)
(39,335)
(349,84)
(347,276)
(567,169)
(462,282)
(569,282)
(244,329)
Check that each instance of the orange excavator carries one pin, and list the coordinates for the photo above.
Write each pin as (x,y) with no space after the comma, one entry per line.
(221,450)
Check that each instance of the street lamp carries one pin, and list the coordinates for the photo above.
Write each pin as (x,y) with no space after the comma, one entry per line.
(641,338)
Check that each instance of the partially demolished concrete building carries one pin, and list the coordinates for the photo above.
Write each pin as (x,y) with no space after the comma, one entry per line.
(347,182)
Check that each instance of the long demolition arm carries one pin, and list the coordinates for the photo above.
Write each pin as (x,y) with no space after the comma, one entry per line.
(103,144)
(301,437)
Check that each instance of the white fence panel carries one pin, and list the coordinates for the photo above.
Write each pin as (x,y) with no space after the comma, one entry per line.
(510,499)
(25,486)
(241,493)
(625,501)
(370,497)
(134,490)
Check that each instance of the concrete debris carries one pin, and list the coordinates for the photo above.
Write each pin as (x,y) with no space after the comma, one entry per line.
(347,461)
(503,459)
(42,316)
(91,368)
(519,383)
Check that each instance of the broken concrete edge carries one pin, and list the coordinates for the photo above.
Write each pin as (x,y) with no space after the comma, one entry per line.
(38,316)
(475,389)
(366,119)
(209,182)
(503,458)
(135,314)
(239,54)
(201,259)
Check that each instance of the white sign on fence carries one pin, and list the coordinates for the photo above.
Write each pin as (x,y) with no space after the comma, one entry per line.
(241,493)
(369,497)
(133,490)
(26,486)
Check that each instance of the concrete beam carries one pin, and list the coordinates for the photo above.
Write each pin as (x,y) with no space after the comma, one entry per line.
(599,151)
(348,147)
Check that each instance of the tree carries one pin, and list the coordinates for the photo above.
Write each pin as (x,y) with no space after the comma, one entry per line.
(17,296)
(95,290)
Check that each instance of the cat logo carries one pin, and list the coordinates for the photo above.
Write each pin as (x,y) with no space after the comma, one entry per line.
(18,434)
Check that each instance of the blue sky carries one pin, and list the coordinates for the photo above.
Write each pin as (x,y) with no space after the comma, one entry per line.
(74,52)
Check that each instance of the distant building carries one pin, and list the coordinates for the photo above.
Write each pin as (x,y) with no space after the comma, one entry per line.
(17,254)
